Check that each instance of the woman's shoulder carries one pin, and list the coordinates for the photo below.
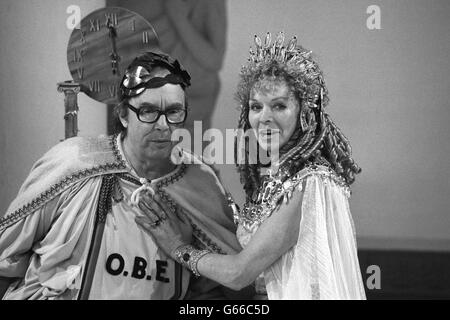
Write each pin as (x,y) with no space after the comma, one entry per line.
(320,173)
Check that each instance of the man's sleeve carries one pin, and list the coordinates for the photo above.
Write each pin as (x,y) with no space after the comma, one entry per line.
(17,240)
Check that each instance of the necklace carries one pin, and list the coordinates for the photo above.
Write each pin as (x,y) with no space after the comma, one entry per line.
(265,200)
(278,188)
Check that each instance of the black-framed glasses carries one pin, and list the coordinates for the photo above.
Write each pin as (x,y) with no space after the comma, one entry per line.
(152,115)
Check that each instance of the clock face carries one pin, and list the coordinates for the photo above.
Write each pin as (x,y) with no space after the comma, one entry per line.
(105,44)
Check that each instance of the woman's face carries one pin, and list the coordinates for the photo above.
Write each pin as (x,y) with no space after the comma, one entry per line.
(273,113)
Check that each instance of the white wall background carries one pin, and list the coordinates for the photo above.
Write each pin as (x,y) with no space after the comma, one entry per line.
(34,39)
(389,95)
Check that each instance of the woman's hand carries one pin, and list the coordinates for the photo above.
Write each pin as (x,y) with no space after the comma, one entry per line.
(166,228)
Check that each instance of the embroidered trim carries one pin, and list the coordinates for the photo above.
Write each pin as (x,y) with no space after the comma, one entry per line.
(198,244)
(104,206)
(117,193)
(197,232)
(62,185)
(106,197)
(254,214)
(205,240)
(126,176)
(163,183)
(172,178)
(116,152)
(168,201)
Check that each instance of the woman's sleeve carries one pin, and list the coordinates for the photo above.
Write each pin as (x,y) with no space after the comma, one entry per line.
(323,264)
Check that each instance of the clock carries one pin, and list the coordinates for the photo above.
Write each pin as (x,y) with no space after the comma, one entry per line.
(105,43)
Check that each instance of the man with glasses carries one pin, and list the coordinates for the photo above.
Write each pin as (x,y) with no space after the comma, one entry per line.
(71,233)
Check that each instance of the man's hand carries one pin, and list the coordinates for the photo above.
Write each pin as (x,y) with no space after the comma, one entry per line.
(166,228)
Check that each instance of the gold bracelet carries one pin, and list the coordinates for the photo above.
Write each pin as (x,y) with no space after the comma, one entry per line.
(189,256)
(194,260)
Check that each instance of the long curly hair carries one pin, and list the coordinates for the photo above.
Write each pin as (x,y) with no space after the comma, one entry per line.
(316,139)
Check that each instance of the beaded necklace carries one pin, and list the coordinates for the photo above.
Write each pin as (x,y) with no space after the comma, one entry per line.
(277,188)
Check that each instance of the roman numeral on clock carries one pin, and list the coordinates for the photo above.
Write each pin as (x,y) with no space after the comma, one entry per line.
(80,72)
(95,86)
(145,37)
(112,91)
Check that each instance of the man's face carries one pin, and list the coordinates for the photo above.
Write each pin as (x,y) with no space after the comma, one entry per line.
(153,140)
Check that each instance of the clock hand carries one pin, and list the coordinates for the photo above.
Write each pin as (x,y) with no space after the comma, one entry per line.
(115,58)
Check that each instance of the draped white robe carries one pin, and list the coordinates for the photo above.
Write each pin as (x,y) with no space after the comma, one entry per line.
(323,264)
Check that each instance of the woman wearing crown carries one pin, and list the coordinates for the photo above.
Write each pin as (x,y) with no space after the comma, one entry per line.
(296,227)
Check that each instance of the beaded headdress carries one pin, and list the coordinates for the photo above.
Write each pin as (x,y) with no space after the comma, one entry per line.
(294,59)
(317,138)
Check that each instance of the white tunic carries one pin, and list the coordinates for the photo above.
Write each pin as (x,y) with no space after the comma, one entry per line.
(324,262)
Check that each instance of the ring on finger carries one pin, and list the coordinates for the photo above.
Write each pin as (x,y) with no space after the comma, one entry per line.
(155,224)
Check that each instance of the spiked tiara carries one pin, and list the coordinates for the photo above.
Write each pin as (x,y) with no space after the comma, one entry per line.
(294,59)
